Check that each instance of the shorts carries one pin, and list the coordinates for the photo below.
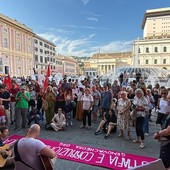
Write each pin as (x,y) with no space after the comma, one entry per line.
(2,119)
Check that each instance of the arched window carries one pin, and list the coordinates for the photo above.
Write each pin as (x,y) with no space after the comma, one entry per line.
(164,49)
(147,50)
(156,49)
(138,50)
(155,61)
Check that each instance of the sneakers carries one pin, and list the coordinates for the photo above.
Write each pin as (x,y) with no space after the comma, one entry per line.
(141,146)
(97,132)
(121,135)
(136,141)
(128,138)
(81,127)
(146,134)
(107,136)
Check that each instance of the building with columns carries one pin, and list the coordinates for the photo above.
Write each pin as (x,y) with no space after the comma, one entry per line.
(153,50)
(103,63)
(16,47)
(44,54)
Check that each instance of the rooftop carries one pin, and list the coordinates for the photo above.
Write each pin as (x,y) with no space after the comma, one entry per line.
(155,13)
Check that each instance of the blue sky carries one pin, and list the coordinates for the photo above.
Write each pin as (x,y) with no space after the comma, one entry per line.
(83,27)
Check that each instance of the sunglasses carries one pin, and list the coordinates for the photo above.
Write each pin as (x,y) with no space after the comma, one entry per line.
(164,93)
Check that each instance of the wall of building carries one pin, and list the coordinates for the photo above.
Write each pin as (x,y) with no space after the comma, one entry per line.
(16,48)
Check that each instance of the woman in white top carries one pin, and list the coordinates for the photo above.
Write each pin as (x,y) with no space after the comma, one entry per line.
(87,103)
(58,121)
(162,103)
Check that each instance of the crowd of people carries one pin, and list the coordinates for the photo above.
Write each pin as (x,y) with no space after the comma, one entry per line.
(118,106)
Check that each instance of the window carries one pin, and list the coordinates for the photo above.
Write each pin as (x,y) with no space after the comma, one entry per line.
(36,58)
(138,50)
(41,51)
(19,70)
(5,43)
(146,61)
(51,60)
(36,49)
(5,30)
(164,61)
(156,49)
(155,61)
(138,61)
(41,43)
(36,41)
(41,59)
(18,46)
(29,48)
(45,59)
(147,50)
(18,35)
(164,49)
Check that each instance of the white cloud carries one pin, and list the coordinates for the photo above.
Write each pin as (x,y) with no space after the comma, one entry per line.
(85,1)
(84,46)
(87,27)
(92,19)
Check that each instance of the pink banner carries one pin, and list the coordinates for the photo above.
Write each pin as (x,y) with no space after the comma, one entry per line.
(93,156)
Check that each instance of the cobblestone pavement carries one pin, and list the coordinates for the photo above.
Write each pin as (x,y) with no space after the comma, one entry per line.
(75,135)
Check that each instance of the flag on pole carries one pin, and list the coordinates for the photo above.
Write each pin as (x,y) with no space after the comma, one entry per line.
(46,77)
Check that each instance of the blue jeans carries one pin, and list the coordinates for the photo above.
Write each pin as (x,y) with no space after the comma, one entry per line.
(146,124)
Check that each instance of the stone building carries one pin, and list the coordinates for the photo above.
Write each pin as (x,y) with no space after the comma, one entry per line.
(16,47)
(153,50)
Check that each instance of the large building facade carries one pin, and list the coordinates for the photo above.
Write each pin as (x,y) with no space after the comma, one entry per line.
(103,63)
(153,50)
(44,54)
(16,47)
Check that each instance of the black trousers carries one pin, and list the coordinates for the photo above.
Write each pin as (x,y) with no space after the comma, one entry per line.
(165,155)
(88,115)
(139,127)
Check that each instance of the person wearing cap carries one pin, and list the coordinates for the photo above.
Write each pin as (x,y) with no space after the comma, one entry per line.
(5,98)
(22,98)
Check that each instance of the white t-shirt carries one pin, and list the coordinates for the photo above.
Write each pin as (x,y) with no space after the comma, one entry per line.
(28,149)
(87,101)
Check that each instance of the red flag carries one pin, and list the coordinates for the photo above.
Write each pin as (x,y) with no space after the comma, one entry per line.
(46,83)
(48,74)
(7,81)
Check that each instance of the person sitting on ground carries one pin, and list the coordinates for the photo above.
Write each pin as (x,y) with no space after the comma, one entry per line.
(30,149)
(34,115)
(58,121)
(110,120)
(4,132)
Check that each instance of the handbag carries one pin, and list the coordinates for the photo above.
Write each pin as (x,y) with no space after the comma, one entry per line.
(133,115)
(73,104)
(45,105)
